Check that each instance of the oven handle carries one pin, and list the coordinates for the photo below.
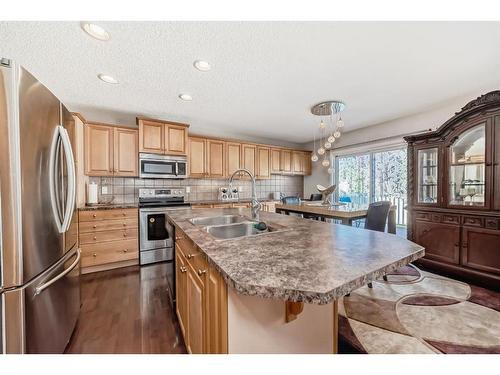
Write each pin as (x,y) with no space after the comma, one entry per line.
(41,288)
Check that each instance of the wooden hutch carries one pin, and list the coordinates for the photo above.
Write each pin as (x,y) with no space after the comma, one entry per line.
(454,193)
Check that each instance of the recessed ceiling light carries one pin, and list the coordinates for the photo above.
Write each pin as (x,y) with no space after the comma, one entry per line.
(186,97)
(107,78)
(202,66)
(95,31)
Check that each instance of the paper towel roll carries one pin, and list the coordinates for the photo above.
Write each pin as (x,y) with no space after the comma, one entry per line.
(92,193)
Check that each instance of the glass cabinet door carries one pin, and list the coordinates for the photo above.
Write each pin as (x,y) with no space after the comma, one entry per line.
(467,168)
(428,175)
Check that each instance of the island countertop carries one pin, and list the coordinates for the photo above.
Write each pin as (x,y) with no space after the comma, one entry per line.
(311,261)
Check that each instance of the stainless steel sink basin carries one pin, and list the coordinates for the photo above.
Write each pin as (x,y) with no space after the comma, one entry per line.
(218,220)
(231,231)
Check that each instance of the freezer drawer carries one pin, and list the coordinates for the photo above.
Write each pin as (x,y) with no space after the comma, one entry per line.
(50,305)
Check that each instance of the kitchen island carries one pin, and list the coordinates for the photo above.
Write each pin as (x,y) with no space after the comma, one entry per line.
(280,288)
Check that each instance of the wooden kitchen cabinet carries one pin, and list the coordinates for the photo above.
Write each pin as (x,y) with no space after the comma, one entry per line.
(110,150)
(307,167)
(126,153)
(197,157)
(151,137)
(215,158)
(481,249)
(275,160)
(233,157)
(263,162)
(201,299)
(297,162)
(248,157)
(162,137)
(98,146)
(286,161)
(108,238)
(180,289)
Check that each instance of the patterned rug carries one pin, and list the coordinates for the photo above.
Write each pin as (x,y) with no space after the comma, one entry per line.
(419,312)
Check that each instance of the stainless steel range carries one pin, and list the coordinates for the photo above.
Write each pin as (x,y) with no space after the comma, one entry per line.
(156,234)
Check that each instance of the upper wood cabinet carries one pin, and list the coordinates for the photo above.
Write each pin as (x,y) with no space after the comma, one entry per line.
(162,137)
(233,157)
(297,162)
(151,137)
(197,157)
(275,160)
(286,161)
(248,156)
(307,167)
(215,158)
(110,150)
(98,145)
(263,162)
(126,153)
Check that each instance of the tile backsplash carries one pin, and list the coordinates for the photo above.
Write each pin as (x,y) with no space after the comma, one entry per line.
(125,190)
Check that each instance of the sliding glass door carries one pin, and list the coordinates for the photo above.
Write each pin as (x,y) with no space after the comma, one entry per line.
(371,177)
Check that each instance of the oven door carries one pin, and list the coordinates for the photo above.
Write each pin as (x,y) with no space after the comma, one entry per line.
(155,231)
(158,168)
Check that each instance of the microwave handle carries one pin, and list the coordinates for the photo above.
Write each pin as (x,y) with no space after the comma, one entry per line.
(176,168)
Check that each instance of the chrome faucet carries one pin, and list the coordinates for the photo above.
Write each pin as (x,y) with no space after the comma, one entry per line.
(255,202)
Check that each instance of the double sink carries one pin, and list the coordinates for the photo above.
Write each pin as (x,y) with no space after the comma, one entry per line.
(226,227)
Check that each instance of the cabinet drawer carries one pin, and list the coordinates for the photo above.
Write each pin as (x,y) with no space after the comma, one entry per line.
(110,235)
(450,219)
(472,221)
(109,252)
(99,226)
(424,216)
(111,214)
(492,223)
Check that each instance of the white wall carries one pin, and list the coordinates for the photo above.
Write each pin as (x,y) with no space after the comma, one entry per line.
(390,132)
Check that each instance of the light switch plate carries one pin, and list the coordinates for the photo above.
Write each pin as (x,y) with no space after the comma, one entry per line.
(104,189)
(188,189)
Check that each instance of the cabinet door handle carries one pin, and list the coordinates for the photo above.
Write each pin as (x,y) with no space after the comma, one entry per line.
(125,250)
(201,272)
(95,238)
(94,215)
(94,255)
(183,269)
(95,226)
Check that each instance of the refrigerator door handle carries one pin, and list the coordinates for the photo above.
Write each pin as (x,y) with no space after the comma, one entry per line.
(39,289)
(70,163)
(61,134)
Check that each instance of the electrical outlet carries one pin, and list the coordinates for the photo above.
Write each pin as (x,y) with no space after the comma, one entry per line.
(104,189)
(188,189)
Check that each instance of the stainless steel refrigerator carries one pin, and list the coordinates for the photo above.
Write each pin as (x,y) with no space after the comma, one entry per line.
(39,258)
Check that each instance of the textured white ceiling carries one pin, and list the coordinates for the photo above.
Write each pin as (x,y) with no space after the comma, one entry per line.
(265,75)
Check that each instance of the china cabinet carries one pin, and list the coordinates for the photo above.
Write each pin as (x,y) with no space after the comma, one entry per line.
(454,193)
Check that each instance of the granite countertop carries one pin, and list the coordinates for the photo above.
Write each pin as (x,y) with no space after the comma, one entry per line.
(242,200)
(108,206)
(313,261)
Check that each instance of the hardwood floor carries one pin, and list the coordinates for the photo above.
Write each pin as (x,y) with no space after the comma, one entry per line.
(127,310)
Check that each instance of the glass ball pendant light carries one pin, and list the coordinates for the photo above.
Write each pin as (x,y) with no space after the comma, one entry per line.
(336,134)
(321,151)
(325,163)
(331,139)
(322,125)
(330,170)
(340,123)
(328,145)
(314,157)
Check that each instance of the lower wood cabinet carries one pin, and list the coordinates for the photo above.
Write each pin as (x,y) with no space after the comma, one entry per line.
(108,238)
(461,245)
(201,295)
(481,249)
(441,241)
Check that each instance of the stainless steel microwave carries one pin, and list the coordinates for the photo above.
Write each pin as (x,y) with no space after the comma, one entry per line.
(162,166)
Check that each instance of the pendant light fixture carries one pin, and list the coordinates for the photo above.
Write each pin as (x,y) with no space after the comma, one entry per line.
(327,135)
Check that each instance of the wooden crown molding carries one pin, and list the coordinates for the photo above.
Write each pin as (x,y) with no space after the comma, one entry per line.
(144,118)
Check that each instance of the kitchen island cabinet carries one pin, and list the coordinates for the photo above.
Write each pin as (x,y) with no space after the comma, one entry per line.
(275,292)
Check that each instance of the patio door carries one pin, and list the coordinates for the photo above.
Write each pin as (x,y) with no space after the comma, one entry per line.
(373,176)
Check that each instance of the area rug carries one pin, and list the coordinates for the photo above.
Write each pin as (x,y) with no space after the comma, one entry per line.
(417,312)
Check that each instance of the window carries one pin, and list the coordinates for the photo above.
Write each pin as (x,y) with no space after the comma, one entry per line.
(373,176)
